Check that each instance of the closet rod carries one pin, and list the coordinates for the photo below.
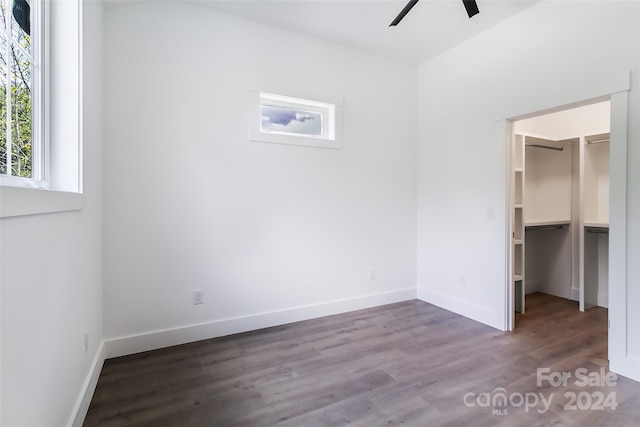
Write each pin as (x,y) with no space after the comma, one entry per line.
(598,231)
(598,141)
(545,146)
(544,227)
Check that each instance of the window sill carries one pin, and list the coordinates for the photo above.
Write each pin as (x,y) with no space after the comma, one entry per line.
(18,201)
(295,140)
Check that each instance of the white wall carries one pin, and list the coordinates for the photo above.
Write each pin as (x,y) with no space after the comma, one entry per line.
(592,119)
(271,233)
(51,279)
(540,59)
(596,163)
(547,184)
(603,270)
(548,261)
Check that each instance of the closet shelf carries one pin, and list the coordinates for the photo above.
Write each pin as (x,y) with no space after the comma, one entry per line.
(546,223)
(597,224)
(517,277)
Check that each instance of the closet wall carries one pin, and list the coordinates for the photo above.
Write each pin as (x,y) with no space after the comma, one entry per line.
(596,165)
(547,181)
(596,220)
(547,209)
(588,120)
(566,198)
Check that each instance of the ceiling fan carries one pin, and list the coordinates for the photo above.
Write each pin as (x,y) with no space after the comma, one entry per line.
(470,5)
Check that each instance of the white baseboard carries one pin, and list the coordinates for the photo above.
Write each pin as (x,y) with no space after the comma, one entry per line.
(82,404)
(603,299)
(153,340)
(463,308)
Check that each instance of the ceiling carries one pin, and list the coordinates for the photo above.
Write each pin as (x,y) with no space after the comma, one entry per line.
(432,26)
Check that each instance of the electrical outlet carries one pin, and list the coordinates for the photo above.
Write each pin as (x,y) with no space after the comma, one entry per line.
(86,342)
(198,297)
(491,213)
(372,275)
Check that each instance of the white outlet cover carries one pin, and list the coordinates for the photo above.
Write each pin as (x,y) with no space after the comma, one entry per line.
(198,297)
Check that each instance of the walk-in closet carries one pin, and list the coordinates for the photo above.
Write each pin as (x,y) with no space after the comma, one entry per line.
(560,206)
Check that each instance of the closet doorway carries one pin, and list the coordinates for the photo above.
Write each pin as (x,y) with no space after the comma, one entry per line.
(559,210)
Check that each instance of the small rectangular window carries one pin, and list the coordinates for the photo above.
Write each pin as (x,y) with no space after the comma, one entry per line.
(290,120)
(287,120)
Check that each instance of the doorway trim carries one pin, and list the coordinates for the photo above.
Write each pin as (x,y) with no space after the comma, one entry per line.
(615,88)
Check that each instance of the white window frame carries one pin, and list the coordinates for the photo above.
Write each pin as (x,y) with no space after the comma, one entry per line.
(56,182)
(331,121)
(39,124)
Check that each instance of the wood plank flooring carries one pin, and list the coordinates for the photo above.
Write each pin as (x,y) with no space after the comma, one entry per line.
(408,363)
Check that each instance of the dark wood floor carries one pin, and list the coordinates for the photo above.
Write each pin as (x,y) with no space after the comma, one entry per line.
(408,363)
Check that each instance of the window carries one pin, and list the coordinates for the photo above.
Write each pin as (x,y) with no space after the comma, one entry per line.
(41,122)
(21,118)
(286,120)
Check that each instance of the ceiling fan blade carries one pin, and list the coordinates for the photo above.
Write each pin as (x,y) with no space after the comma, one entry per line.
(472,7)
(402,14)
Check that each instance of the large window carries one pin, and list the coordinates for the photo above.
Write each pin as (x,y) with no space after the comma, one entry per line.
(21,136)
(40,106)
